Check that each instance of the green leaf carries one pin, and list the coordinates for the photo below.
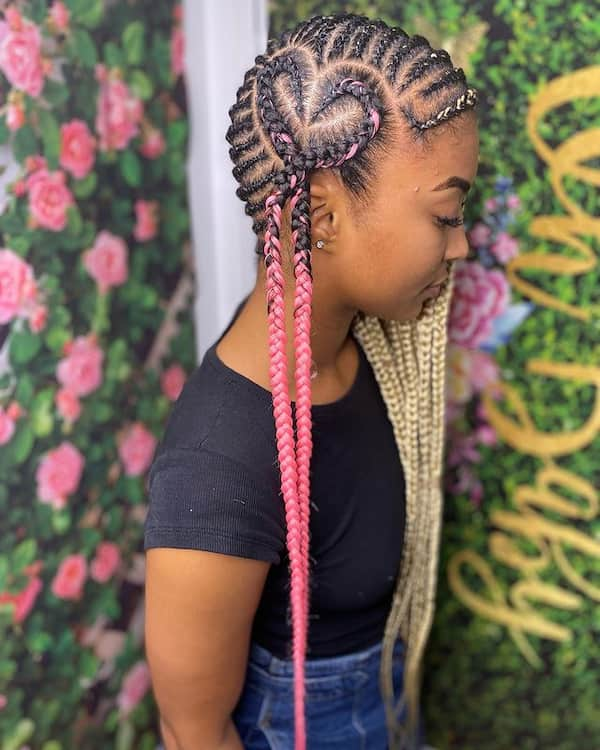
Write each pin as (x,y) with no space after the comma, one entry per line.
(177,133)
(50,133)
(3,572)
(133,42)
(177,167)
(88,13)
(74,221)
(102,412)
(55,93)
(24,390)
(20,244)
(56,338)
(37,11)
(24,345)
(25,143)
(61,521)
(23,554)
(83,48)
(113,56)
(131,168)
(125,736)
(141,85)
(85,187)
(21,444)
(52,745)
(42,419)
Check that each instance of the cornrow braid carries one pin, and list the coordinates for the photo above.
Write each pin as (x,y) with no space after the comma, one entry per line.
(327,95)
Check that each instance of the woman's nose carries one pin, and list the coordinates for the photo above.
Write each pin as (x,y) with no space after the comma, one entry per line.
(458,247)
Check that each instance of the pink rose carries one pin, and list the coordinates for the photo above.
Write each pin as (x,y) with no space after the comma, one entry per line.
(19,188)
(486,434)
(480,235)
(35,162)
(20,53)
(480,296)
(118,114)
(49,199)
(137,449)
(7,426)
(14,410)
(3,701)
(504,247)
(58,474)
(107,560)
(172,381)
(81,370)
(177,51)
(38,318)
(101,73)
(513,202)
(491,204)
(26,599)
(106,261)
(68,405)
(70,577)
(59,16)
(462,449)
(146,213)
(483,370)
(153,145)
(77,148)
(15,116)
(18,289)
(136,684)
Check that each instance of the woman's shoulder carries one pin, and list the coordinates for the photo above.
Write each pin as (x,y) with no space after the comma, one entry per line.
(219,413)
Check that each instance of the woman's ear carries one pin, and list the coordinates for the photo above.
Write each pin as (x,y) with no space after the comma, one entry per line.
(324,202)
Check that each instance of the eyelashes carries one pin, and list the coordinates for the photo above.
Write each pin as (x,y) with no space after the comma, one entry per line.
(450,221)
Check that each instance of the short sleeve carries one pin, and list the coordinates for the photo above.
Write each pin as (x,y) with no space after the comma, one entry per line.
(203,500)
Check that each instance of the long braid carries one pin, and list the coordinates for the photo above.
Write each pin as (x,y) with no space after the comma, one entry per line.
(294,113)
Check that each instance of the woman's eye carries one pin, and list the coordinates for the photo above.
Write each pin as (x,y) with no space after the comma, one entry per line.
(450,221)
(453,221)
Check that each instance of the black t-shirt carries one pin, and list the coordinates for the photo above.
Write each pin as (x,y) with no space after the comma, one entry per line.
(214,485)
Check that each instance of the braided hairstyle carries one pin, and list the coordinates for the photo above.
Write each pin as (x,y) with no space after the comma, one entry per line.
(333,93)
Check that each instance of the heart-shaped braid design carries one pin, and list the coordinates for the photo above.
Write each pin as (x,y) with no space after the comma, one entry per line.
(328,94)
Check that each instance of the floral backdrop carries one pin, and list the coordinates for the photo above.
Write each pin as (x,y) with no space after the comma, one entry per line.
(514,655)
(95,327)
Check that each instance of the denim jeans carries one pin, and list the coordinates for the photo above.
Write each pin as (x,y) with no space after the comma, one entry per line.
(343,705)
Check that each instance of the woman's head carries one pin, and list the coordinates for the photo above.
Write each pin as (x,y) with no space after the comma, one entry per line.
(341,134)
(381,259)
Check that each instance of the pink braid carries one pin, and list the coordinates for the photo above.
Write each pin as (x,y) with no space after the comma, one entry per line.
(295,455)
(286,452)
(303,351)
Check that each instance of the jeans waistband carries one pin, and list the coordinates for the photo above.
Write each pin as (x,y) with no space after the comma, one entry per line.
(321,666)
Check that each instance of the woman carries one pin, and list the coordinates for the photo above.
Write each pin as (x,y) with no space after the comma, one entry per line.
(295,506)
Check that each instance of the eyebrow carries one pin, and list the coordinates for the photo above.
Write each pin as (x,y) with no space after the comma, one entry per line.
(453,182)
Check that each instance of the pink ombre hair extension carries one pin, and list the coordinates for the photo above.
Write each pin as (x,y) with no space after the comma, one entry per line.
(295,456)
(282,412)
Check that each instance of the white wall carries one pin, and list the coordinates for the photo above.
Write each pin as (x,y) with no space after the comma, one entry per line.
(223,38)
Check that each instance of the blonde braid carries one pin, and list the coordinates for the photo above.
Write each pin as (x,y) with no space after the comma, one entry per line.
(413,354)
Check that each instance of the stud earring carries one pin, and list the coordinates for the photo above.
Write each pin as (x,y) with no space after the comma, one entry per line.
(320,244)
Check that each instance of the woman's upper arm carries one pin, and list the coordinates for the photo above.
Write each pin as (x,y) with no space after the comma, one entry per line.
(199,612)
